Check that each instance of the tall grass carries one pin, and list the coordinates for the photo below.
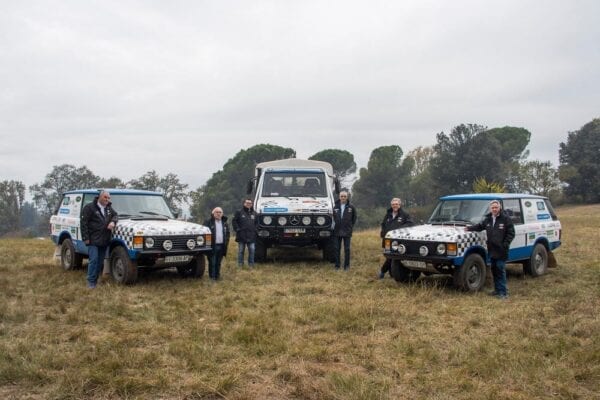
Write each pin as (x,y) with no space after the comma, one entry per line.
(295,328)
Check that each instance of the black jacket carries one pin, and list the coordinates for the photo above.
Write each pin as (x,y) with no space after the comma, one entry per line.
(389,223)
(499,235)
(345,223)
(94,225)
(210,223)
(244,225)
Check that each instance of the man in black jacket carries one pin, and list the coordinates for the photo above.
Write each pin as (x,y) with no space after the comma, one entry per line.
(395,218)
(244,225)
(220,239)
(98,219)
(500,232)
(344,217)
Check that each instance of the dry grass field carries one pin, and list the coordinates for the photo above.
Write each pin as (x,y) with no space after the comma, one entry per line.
(294,328)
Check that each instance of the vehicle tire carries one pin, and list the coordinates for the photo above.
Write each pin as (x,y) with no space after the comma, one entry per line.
(122,268)
(69,259)
(260,251)
(470,277)
(402,274)
(194,269)
(538,262)
(329,251)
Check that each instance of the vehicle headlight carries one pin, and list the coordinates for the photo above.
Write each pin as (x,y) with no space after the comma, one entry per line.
(306,220)
(149,242)
(200,240)
(282,221)
(440,249)
(423,251)
(394,245)
(267,220)
(191,243)
(401,249)
(321,220)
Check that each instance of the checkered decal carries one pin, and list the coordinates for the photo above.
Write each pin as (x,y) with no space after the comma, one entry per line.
(440,233)
(125,233)
(126,229)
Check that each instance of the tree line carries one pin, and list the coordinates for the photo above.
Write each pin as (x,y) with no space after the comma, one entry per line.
(469,158)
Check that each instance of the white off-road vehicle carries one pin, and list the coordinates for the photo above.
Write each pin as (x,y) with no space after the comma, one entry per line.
(146,236)
(442,246)
(294,201)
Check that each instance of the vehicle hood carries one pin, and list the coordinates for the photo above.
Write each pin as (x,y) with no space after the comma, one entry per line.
(286,205)
(436,233)
(170,227)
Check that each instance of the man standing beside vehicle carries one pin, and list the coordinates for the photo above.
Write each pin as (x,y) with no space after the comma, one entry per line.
(98,219)
(395,218)
(344,217)
(244,225)
(500,232)
(220,239)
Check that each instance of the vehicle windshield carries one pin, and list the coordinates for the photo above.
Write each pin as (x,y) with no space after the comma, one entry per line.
(459,212)
(294,184)
(140,205)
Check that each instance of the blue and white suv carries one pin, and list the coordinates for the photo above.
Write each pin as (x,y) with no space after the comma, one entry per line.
(146,236)
(442,245)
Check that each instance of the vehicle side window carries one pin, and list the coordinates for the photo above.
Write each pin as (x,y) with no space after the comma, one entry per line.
(87,199)
(512,207)
(66,201)
(552,212)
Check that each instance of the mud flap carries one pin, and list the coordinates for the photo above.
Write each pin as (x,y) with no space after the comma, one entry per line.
(56,256)
(551,260)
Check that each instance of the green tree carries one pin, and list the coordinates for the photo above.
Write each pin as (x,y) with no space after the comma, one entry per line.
(12,195)
(174,192)
(421,190)
(538,177)
(385,177)
(341,160)
(481,185)
(61,179)
(227,187)
(471,151)
(112,183)
(579,163)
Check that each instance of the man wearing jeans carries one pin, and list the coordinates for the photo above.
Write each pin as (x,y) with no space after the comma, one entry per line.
(244,225)
(500,232)
(98,219)
(220,238)
(344,217)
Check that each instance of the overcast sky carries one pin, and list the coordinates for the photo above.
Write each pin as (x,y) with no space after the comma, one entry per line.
(125,87)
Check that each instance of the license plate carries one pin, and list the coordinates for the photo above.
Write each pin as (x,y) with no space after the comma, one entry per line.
(177,259)
(414,264)
(294,230)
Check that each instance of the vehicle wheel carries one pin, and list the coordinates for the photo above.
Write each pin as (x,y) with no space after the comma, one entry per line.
(195,268)
(538,262)
(403,274)
(470,277)
(329,251)
(69,259)
(260,251)
(122,268)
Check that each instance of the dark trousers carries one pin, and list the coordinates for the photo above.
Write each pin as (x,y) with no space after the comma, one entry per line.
(338,246)
(214,262)
(499,274)
(387,266)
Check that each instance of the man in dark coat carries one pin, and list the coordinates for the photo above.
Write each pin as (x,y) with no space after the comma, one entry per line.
(244,225)
(500,232)
(220,239)
(395,218)
(344,218)
(98,219)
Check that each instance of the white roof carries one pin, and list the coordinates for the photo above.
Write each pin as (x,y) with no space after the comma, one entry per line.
(297,163)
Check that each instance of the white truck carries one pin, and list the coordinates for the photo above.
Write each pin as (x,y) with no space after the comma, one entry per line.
(147,235)
(294,200)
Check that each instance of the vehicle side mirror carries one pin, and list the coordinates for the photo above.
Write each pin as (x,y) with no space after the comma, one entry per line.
(250,186)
